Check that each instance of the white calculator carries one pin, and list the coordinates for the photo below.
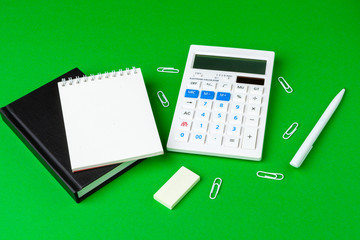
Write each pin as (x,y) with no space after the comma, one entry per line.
(222,105)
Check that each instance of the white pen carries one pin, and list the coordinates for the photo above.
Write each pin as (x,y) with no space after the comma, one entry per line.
(307,145)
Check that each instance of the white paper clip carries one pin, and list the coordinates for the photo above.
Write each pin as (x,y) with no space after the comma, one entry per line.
(269,175)
(215,184)
(163,99)
(290,131)
(285,85)
(168,70)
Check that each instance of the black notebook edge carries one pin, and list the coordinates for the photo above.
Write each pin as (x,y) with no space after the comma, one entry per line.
(31,144)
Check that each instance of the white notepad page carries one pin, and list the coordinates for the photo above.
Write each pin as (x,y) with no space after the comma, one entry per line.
(108,119)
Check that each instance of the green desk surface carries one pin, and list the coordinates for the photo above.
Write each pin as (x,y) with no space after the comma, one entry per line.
(317,50)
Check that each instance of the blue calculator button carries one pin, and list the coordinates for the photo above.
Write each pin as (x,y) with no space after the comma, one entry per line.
(207,95)
(191,93)
(223,96)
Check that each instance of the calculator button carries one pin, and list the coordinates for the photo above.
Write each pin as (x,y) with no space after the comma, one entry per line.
(189,104)
(237,108)
(224,87)
(238,97)
(253,110)
(205,104)
(187,114)
(207,95)
(235,118)
(202,115)
(182,136)
(219,117)
(223,96)
(231,142)
(214,140)
(209,86)
(250,134)
(191,93)
(197,138)
(221,106)
(184,125)
(252,121)
(233,130)
(239,88)
(217,128)
(255,99)
(256,90)
(194,85)
(199,126)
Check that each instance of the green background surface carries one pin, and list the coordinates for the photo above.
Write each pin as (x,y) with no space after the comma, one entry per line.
(317,50)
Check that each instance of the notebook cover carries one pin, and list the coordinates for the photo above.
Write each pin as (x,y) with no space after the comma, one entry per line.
(37,120)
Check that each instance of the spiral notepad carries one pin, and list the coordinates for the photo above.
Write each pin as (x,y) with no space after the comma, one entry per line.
(108,119)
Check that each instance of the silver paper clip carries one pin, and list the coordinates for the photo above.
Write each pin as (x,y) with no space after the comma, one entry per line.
(290,131)
(269,175)
(215,184)
(168,70)
(285,85)
(163,99)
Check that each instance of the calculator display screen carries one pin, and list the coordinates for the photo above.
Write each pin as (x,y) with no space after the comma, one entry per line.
(230,64)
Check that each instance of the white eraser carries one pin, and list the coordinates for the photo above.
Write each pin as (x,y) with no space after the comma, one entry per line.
(176,187)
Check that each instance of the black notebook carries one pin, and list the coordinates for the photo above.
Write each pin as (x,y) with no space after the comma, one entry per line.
(37,120)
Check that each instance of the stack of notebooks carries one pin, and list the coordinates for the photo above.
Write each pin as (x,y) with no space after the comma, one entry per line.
(87,130)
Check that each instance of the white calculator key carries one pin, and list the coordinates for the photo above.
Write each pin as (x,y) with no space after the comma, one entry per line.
(231,141)
(189,104)
(240,88)
(256,90)
(221,106)
(186,114)
(219,117)
(182,136)
(255,99)
(233,130)
(205,104)
(217,128)
(214,139)
(199,126)
(253,110)
(224,87)
(202,115)
(250,134)
(194,85)
(197,138)
(239,97)
(252,121)
(208,85)
(235,118)
(184,125)
(237,108)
